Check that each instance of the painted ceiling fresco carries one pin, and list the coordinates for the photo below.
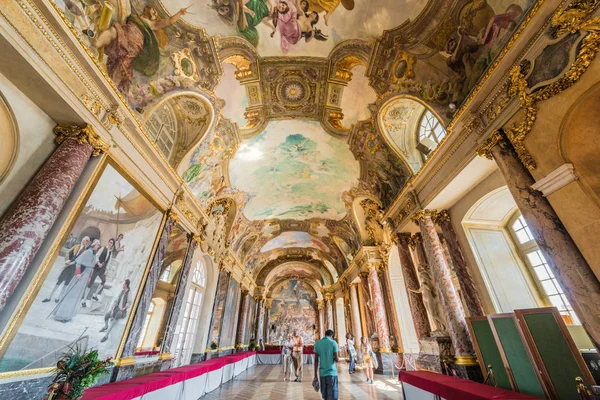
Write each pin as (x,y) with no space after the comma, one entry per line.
(306,105)
(294,169)
(297,27)
(294,239)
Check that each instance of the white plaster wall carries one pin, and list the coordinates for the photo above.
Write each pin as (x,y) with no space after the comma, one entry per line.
(409,339)
(36,142)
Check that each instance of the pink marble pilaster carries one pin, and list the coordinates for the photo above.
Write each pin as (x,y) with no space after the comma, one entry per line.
(381,324)
(411,284)
(465,280)
(267,324)
(367,305)
(329,314)
(442,277)
(356,327)
(27,223)
(243,319)
(260,320)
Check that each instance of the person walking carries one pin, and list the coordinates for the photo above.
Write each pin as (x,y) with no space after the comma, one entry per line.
(297,355)
(286,357)
(351,352)
(326,356)
(367,353)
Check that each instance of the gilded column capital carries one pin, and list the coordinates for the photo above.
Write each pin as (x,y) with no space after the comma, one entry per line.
(245,292)
(83,134)
(496,138)
(257,297)
(363,274)
(402,239)
(415,240)
(422,214)
(320,304)
(172,216)
(442,216)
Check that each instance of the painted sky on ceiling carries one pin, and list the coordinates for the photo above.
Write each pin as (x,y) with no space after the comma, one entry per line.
(294,169)
(294,239)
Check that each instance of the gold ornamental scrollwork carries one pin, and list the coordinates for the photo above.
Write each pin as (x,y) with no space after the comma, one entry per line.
(496,138)
(577,17)
(83,134)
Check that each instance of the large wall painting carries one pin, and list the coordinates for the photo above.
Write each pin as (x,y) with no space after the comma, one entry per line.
(293,308)
(299,28)
(87,296)
(294,239)
(294,169)
(230,315)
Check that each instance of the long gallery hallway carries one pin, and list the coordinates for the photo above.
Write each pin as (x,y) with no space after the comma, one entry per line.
(266,382)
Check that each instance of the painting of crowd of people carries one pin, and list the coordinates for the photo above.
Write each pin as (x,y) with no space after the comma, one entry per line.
(293,308)
(88,293)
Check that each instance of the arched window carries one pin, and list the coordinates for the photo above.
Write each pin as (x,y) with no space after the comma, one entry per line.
(431,128)
(536,262)
(186,329)
(162,127)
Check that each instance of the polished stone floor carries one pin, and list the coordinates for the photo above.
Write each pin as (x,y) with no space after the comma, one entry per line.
(266,382)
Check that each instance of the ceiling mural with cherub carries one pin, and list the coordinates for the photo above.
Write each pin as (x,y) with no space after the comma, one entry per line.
(288,111)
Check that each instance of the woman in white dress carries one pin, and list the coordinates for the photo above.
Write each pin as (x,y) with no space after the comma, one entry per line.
(68,306)
(286,357)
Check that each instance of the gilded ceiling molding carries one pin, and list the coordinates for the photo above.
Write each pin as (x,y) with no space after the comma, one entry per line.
(576,17)
(83,134)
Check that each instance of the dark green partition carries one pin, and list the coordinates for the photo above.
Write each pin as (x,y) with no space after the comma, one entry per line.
(551,343)
(517,358)
(487,350)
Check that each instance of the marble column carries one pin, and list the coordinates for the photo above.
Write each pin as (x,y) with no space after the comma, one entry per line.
(578,281)
(28,221)
(320,310)
(356,326)
(260,320)
(242,325)
(381,324)
(411,282)
(149,287)
(472,300)
(249,318)
(179,296)
(366,304)
(442,278)
(216,321)
(267,333)
(328,312)
(390,309)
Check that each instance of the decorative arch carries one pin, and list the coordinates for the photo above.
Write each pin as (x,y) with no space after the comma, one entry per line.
(195,115)
(399,121)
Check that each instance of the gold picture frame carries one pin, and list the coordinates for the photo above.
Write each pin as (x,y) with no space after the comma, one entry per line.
(48,262)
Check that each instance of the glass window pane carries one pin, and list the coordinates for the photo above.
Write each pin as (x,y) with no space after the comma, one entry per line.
(549,287)
(557,302)
(534,258)
(541,273)
(522,236)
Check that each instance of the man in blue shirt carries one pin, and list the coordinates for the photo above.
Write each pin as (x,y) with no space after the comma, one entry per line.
(326,355)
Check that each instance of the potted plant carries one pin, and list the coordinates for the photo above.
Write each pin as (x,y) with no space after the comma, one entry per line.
(213,346)
(76,371)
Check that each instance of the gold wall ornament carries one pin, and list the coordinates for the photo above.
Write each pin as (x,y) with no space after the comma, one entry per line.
(422,214)
(335,119)
(84,134)
(403,67)
(573,19)
(415,240)
(184,65)
(442,216)
(485,150)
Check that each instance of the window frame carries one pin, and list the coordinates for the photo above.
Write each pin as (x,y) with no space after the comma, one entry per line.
(528,247)
(161,125)
(427,126)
